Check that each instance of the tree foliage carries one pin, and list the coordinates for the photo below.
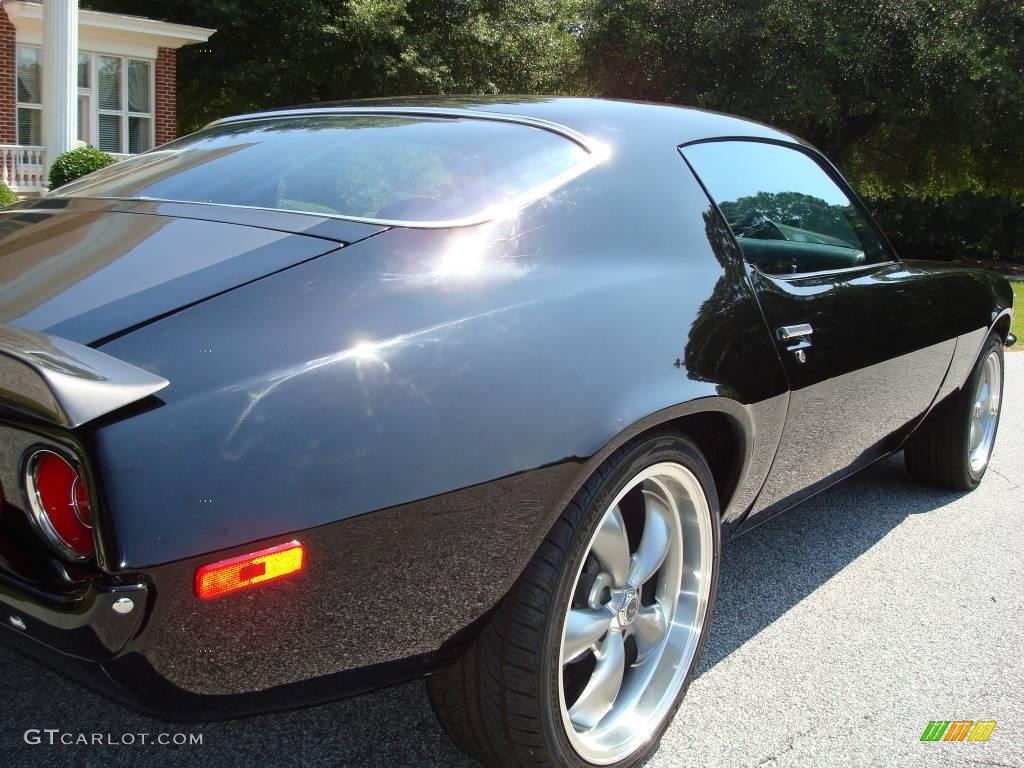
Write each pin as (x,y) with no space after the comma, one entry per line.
(7,195)
(269,53)
(915,99)
(925,95)
(789,208)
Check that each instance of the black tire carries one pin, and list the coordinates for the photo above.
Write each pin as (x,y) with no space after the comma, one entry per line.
(500,703)
(939,451)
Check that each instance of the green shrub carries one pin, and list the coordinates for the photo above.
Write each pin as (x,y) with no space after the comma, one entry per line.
(961,226)
(76,163)
(7,196)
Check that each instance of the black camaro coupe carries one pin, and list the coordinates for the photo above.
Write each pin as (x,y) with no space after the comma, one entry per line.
(316,400)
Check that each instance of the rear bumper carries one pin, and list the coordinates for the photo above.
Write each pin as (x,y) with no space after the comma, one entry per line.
(92,624)
(88,673)
(83,638)
(78,635)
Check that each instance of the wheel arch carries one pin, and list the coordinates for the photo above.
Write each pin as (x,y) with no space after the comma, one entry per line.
(720,438)
(1003,323)
(722,429)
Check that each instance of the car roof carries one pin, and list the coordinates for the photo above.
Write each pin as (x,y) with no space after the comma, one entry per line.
(610,121)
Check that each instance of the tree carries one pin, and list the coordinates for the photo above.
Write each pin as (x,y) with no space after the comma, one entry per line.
(917,100)
(794,209)
(926,95)
(270,53)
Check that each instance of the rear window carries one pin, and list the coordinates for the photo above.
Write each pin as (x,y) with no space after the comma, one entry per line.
(382,167)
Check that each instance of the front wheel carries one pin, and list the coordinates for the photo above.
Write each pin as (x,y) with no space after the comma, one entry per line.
(953,447)
(587,659)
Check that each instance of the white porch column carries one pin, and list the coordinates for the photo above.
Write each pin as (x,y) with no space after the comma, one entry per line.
(60,76)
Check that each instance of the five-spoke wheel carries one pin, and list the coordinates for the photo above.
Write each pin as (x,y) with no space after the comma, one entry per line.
(985,410)
(636,613)
(953,447)
(586,660)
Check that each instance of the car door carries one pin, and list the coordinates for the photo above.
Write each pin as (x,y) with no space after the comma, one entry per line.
(855,328)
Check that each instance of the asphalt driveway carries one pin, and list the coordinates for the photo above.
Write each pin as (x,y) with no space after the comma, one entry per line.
(842,629)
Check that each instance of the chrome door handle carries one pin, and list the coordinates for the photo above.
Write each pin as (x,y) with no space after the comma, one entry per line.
(801,331)
(799,338)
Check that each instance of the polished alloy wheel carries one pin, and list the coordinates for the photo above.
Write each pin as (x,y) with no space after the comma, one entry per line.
(985,412)
(636,614)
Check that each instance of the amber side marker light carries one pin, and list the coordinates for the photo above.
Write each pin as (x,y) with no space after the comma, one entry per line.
(237,573)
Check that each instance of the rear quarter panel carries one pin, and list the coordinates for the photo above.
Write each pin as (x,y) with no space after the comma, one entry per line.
(419,408)
(974,300)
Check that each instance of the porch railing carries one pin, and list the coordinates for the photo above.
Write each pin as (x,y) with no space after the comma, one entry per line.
(23,167)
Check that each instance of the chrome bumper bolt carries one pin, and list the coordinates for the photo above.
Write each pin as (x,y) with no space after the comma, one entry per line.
(123,605)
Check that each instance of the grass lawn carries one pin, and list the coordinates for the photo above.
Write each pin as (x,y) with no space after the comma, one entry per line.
(1018,314)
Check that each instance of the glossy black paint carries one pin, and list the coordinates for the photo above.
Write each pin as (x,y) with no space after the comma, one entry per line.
(418,406)
(89,269)
(863,383)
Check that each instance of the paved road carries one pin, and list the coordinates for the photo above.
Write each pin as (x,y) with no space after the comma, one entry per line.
(841,630)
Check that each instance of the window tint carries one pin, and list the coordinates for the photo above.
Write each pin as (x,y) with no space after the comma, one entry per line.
(786,212)
(400,168)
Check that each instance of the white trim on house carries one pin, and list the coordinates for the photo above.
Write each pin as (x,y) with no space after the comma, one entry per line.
(23,167)
(130,36)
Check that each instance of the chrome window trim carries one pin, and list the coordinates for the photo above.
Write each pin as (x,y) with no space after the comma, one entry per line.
(439,112)
(791,276)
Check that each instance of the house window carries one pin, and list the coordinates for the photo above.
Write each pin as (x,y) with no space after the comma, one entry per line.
(84,97)
(110,100)
(115,101)
(123,96)
(30,100)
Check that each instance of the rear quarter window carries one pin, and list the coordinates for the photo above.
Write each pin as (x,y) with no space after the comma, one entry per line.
(416,169)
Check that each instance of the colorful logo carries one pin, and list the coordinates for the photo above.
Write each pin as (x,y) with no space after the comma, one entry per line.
(958,730)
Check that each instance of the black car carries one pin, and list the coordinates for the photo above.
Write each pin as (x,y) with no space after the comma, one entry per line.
(320,399)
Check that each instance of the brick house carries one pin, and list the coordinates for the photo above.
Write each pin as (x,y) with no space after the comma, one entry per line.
(70,77)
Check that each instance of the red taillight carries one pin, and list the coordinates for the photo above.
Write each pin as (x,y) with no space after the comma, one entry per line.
(244,571)
(59,498)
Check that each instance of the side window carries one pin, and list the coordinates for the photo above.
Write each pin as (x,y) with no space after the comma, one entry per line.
(788,216)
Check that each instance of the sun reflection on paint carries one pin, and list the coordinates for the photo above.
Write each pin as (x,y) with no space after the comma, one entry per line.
(465,256)
(367,352)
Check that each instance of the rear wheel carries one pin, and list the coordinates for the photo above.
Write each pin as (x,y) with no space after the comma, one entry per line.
(952,449)
(586,660)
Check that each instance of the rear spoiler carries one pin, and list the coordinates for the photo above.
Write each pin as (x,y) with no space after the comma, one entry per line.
(64,382)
